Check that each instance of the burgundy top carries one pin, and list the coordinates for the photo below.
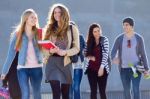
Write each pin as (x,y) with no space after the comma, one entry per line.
(97,53)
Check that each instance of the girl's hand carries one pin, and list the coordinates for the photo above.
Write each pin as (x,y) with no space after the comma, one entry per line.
(54,50)
(3,77)
(101,72)
(91,58)
(62,52)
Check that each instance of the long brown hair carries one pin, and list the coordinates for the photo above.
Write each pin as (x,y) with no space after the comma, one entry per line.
(90,39)
(52,25)
(20,29)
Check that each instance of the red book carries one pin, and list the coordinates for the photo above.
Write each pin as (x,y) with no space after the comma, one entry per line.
(47,44)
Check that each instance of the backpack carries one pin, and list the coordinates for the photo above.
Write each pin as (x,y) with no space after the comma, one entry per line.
(75,57)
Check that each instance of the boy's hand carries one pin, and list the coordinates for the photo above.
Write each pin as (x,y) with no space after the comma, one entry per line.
(116,61)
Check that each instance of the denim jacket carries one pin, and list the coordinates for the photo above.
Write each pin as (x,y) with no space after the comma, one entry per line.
(22,52)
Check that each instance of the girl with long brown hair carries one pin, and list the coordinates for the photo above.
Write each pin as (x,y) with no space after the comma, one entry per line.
(58,66)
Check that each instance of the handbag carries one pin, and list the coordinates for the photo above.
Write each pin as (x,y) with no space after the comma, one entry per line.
(73,58)
(4,92)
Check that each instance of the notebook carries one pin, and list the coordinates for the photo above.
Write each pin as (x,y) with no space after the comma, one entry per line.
(47,44)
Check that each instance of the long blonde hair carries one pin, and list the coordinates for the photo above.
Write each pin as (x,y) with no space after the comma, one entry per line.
(20,29)
(52,26)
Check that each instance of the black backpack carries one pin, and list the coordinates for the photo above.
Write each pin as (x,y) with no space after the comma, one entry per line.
(73,58)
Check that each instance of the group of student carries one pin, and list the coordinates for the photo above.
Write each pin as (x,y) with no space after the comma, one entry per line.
(28,57)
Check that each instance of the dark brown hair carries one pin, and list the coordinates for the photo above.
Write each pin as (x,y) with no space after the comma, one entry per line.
(90,39)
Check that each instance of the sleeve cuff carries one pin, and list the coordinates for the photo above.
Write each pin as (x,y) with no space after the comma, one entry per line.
(102,66)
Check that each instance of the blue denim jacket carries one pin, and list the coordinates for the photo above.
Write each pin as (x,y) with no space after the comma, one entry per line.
(22,52)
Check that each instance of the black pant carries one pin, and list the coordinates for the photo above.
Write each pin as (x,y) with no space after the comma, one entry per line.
(12,80)
(58,89)
(94,80)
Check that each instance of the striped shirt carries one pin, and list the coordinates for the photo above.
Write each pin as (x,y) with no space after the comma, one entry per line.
(104,43)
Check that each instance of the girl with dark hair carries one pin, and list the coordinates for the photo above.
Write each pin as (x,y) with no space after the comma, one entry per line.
(97,53)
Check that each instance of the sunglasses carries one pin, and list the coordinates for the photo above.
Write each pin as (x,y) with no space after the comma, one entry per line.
(129,43)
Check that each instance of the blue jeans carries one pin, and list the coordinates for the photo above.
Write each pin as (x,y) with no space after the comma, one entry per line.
(75,88)
(127,78)
(35,77)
